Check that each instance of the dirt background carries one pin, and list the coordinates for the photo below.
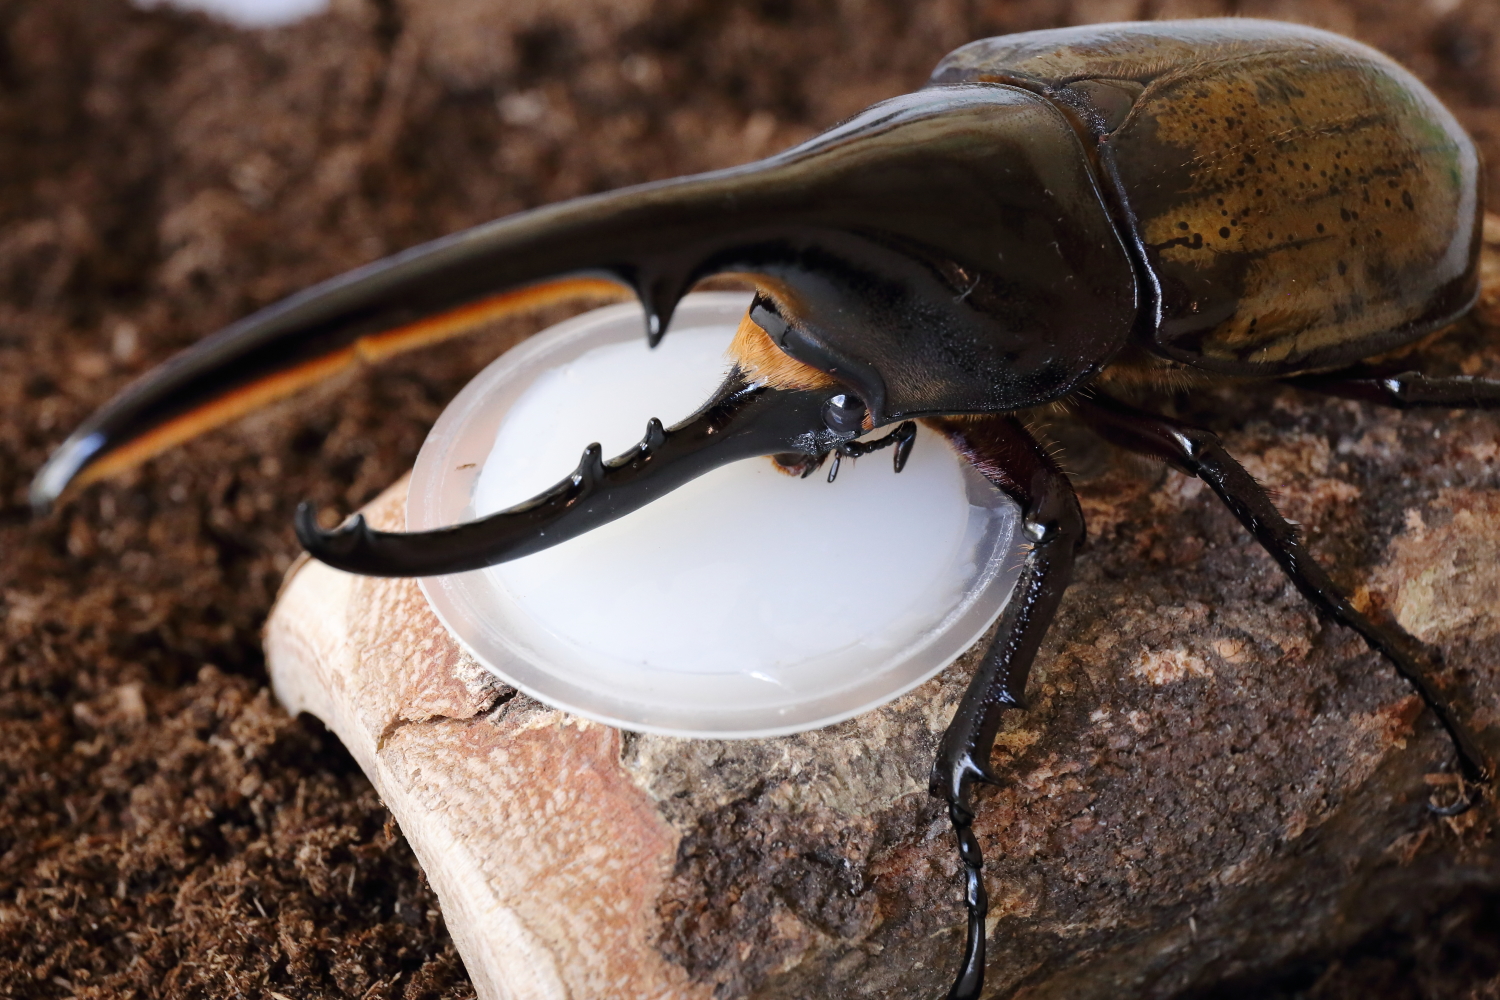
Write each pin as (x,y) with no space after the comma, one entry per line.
(165,829)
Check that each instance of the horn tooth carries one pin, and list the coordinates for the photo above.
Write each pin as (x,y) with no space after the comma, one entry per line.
(659,295)
(590,467)
(656,436)
(655,329)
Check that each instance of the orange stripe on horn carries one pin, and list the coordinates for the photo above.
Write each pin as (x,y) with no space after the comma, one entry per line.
(378,346)
(371,348)
(205,418)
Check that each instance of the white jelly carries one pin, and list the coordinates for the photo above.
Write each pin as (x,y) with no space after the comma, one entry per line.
(746,603)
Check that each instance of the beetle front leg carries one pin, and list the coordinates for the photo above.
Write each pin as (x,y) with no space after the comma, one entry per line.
(1199,453)
(1002,450)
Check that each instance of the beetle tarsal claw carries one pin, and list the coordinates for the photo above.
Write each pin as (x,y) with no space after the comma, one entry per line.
(1467,795)
(1468,799)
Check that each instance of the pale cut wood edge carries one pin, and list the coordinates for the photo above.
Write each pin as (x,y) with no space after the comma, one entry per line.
(547,859)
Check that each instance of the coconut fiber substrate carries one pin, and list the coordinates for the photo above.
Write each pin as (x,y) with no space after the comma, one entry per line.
(166,830)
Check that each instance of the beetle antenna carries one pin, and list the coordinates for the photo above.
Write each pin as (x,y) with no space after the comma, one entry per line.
(902,437)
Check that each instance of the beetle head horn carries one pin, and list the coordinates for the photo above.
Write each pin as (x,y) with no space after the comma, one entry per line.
(798,415)
(942,252)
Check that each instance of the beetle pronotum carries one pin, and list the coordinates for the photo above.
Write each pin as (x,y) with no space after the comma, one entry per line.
(1072,216)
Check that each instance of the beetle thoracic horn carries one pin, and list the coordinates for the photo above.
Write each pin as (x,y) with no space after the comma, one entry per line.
(954,232)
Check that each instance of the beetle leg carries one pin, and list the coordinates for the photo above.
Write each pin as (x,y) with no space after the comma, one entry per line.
(1198,452)
(1002,450)
(1405,390)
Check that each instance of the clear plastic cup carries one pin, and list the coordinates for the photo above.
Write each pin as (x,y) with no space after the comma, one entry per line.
(745,604)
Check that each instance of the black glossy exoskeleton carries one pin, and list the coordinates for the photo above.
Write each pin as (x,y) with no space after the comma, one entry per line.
(1062,216)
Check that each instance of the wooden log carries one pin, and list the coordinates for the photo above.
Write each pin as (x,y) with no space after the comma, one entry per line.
(547,858)
(1210,784)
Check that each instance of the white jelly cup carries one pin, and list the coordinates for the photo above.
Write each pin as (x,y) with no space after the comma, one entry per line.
(773,700)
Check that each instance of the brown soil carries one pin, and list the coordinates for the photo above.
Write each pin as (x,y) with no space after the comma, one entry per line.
(165,829)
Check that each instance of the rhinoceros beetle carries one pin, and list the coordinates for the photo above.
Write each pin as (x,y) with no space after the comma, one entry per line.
(1076,216)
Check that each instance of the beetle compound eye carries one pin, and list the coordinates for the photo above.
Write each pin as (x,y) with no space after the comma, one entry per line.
(844,413)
